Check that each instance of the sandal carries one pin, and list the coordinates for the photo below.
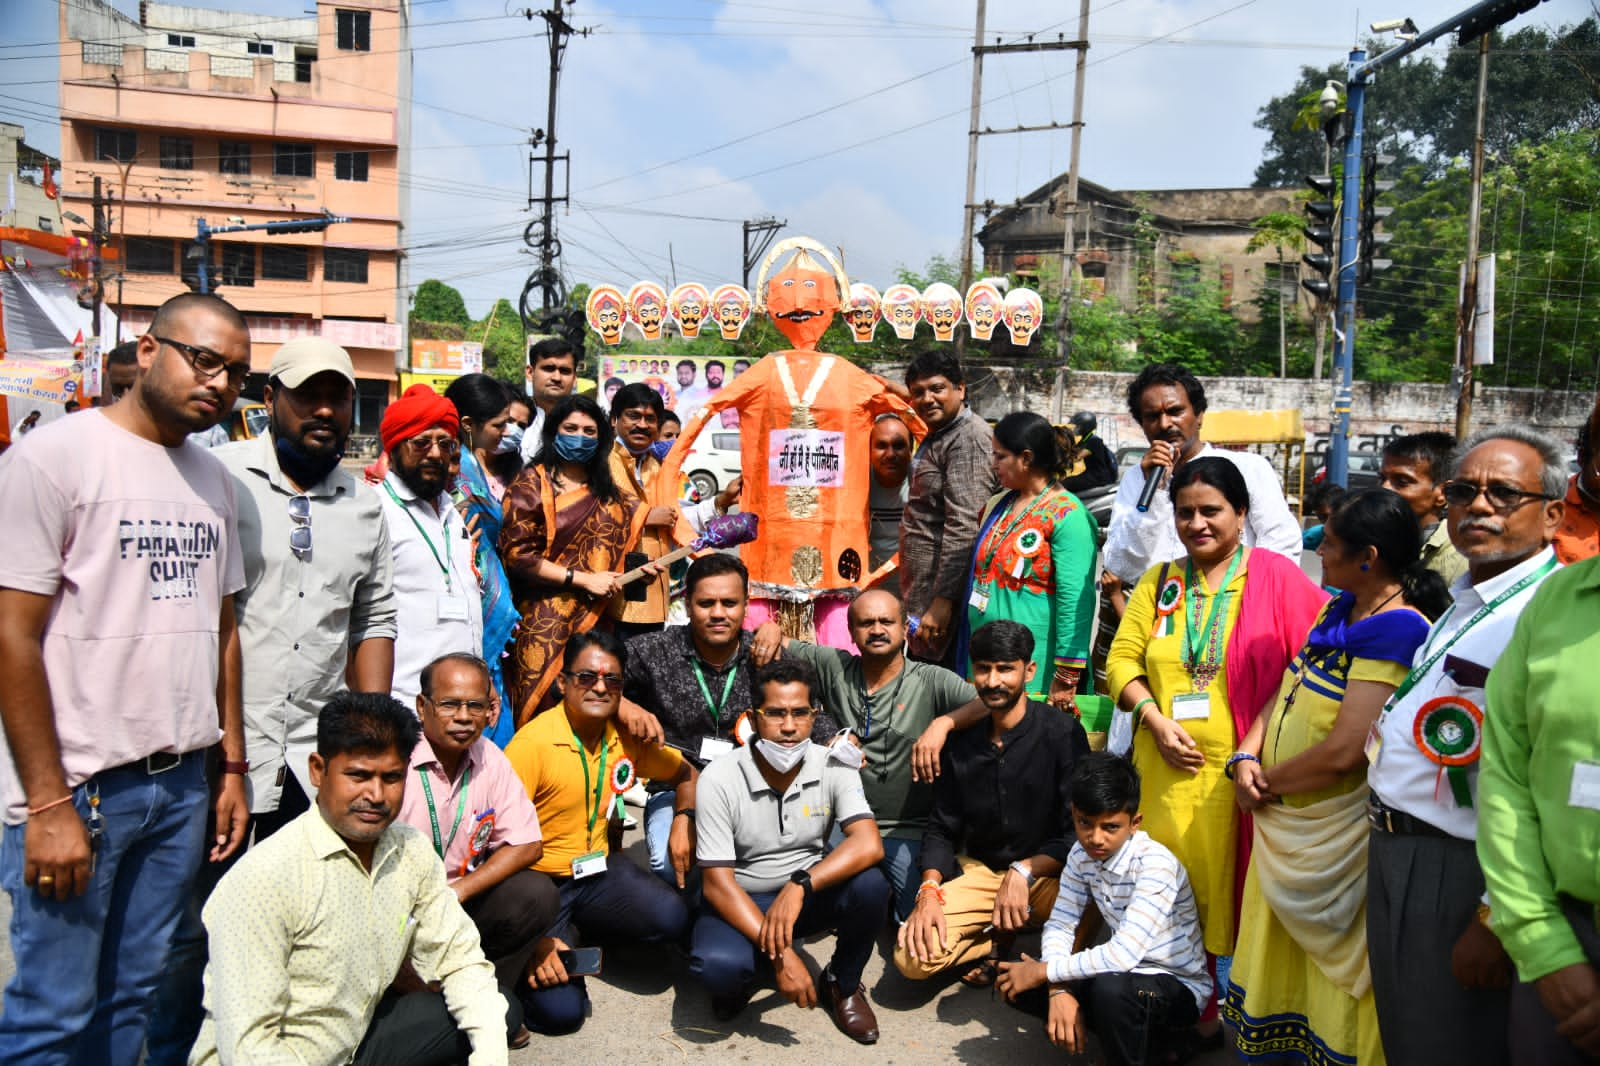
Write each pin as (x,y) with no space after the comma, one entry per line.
(983,975)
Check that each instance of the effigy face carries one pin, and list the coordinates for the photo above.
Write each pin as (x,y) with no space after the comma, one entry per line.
(732,304)
(1023,310)
(941,306)
(983,309)
(647,305)
(605,310)
(688,304)
(801,299)
(863,314)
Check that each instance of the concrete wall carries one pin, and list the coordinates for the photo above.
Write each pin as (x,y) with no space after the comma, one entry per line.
(34,209)
(1380,412)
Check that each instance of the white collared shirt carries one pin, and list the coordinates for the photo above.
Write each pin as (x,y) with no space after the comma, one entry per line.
(1135,542)
(1403,777)
(435,615)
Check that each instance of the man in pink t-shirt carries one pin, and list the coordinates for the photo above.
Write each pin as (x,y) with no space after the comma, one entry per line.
(118,643)
(463,795)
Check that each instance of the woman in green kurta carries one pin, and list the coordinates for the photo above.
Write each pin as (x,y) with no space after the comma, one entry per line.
(1034,562)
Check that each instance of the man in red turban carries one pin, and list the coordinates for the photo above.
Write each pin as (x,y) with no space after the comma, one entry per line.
(437,597)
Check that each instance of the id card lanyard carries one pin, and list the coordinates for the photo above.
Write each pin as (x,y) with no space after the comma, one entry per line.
(714,706)
(442,846)
(444,565)
(592,790)
(1194,642)
(1419,672)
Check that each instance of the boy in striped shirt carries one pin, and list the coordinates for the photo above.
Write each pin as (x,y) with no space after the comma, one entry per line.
(1147,973)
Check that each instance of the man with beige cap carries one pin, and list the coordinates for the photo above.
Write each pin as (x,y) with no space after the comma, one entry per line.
(317,608)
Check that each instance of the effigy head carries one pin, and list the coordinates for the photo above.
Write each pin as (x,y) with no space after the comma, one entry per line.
(803,296)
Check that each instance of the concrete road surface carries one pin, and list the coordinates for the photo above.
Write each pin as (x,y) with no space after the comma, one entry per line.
(647,1010)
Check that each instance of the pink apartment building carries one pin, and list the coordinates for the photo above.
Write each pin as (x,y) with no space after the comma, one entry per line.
(192,113)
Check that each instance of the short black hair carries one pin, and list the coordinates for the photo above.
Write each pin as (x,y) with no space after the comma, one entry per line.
(193,301)
(715,363)
(1431,450)
(1324,494)
(425,683)
(669,415)
(552,346)
(686,363)
(714,565)
(124,354)
(1221,474)
(1002,641)
(637,395)
(786,671)
(609,643)
(1103,783)
(1166,374)
(936,362)
(367,722)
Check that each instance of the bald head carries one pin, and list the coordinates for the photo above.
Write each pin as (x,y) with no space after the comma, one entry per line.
(878,624)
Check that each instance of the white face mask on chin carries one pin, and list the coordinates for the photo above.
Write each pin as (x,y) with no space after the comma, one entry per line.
(782,757)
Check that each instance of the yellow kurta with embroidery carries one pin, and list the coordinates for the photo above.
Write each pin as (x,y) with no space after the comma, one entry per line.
(1194,815)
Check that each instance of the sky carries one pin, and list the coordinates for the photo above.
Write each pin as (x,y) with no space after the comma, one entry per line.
(845,119)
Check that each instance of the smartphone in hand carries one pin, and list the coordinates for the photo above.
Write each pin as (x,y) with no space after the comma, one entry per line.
(580,962)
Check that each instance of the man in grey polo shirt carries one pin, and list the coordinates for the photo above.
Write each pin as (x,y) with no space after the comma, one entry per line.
(886,702)
(317,608)
(764,816)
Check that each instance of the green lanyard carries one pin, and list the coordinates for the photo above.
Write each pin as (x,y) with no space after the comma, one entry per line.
(997,536)
(1194,642)
(583,757)
(444,567)
(1419,672)
(433,816)
(715,706)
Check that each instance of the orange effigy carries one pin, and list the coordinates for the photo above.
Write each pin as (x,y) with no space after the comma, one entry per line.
(805,422)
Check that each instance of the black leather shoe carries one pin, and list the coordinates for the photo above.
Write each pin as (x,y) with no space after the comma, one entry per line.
(851,1013)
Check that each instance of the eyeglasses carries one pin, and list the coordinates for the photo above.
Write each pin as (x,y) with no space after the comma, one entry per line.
(300,531)
(587,679)
(447,446)
(207,364)
(474,708)
(1501,497)
(778,714)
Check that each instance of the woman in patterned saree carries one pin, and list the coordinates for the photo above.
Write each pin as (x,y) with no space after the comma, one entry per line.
(566,531)
(1300,989)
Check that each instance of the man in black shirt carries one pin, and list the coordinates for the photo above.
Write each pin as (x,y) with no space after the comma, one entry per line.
(1098,468)
(1001,826)
(689,686)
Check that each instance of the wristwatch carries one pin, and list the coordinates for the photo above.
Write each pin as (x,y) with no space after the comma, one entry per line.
(803,879)
(231,767)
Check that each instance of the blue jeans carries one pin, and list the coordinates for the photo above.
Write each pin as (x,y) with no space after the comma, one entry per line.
(726,961)
(900,865)
(657,829)
(624,904)
(87,968)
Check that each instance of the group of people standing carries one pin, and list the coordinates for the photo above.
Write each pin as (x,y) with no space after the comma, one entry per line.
(358,753)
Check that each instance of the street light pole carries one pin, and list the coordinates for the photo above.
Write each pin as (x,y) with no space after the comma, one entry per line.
(1344,336)
(1467,317)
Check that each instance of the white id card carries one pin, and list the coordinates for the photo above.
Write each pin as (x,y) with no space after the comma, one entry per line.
(588,865)
(711,747)
(1585,786)
(1191,705)
(1374,745)
(452,609)
(979,601)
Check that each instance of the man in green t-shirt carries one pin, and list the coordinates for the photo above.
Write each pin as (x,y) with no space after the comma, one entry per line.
(885,702)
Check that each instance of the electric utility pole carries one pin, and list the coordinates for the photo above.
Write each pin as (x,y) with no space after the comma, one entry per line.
(975,130)
(547,314)
(763,230)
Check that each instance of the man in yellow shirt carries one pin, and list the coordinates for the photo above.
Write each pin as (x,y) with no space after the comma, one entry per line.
(575,766)
(309,928)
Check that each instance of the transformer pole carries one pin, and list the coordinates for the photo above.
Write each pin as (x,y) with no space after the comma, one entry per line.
(540,234)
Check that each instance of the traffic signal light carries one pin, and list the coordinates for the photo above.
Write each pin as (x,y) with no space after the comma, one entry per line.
(1320,214)
(1483,19)
(1372,241)
(315,225)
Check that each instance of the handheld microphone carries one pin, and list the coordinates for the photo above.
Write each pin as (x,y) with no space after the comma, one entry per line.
(1152,482)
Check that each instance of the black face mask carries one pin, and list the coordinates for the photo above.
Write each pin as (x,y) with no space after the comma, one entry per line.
(303,468)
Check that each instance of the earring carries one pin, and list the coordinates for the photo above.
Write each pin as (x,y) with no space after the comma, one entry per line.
(1364,566)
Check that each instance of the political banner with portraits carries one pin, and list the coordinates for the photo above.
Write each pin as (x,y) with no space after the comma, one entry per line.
(685,382)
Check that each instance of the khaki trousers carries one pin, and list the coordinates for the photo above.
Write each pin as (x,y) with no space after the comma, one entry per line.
(968,913)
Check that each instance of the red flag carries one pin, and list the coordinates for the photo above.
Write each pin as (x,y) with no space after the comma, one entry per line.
(51,190)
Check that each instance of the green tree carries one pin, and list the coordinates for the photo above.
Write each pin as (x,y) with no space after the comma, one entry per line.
(504,353)
(1541,84)
(437,302)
